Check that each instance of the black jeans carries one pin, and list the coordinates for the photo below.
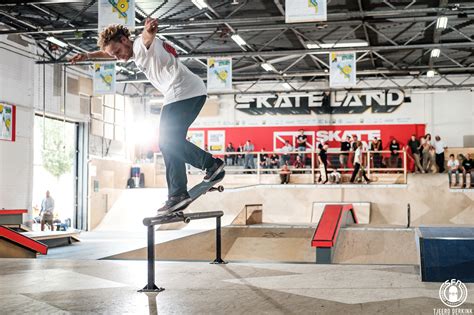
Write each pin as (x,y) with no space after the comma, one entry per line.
(174,123)
(356,170)
(440,162)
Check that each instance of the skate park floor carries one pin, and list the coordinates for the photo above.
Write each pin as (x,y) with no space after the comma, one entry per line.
(110,287)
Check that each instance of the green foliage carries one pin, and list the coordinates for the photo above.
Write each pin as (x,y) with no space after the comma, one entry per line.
(57,156)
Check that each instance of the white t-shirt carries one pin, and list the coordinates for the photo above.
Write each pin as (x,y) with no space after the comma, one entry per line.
(439,146)
(164,70)
(358,156)
(453,164)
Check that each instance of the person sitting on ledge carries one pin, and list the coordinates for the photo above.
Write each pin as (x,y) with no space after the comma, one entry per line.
(453,168)
(285,174)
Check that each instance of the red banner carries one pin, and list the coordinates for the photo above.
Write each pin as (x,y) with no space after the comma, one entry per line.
(272,138)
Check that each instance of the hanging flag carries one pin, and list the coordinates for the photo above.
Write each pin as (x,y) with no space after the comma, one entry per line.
(297,11)
(116,12)
(104,78)
(219,74)
(343,69)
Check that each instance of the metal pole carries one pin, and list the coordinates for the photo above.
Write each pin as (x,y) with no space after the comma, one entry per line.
(218,259)
(151,258)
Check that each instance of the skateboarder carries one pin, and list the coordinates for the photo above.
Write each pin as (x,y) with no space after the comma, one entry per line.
(184,96)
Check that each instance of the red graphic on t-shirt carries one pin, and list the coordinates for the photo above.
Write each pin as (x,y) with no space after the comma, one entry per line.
(170,49)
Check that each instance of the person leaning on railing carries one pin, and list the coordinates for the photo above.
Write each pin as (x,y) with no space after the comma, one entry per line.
(345,147)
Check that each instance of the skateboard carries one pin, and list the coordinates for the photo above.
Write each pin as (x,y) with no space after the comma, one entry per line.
(197,191)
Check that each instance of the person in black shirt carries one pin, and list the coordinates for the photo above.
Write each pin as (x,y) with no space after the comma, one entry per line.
(264,163)
(394,148)
(230,159)
(323,163)
(274,161)
(301,144)
(414,146)
(345,147)
(468,168)
(376,145)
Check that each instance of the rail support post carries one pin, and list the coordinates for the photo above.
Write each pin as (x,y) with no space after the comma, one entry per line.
(218,259)
(151,287)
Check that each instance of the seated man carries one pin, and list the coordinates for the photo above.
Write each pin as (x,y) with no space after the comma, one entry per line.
(453,168)
(335,177)
(468,169)
(263,159)
(274,161)
(285,174)
(285,157)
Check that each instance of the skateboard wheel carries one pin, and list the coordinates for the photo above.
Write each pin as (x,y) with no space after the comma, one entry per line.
(220,188)
(187,220)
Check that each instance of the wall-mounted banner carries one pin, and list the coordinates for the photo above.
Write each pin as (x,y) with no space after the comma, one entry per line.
(342,69)
(340,102)
(196,137)
(216,141)
(219,74)
(116,12)
(297,11)
(104,78)
(7,122)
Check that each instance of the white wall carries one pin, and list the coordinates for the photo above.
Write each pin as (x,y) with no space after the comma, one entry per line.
(449,114)
(21,85)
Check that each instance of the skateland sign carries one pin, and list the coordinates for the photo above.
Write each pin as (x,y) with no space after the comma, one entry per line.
(322,103)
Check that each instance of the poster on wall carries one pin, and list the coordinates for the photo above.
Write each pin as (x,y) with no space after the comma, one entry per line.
(104,78)
(196,137)
(216,141)
(219,74)
(116,12)
(343,69)
(297,11)
(7,122)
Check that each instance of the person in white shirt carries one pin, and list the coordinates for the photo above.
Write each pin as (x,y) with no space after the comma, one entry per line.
(453,168)
(285,157)
(439,146)
(184,96)
(357,163)
(47,211)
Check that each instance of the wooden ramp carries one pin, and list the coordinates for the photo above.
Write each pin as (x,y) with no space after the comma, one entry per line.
(55,238)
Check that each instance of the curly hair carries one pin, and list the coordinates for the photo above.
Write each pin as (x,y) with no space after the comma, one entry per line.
(112,33)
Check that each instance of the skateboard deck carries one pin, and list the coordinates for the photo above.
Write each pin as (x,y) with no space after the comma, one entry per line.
(197,191)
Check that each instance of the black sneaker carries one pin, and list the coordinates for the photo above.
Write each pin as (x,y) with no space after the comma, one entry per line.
(214,170)
(175,203)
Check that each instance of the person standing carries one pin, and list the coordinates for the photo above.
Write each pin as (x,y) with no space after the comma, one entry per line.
(439,147)
(345,148)
(323,163)
(230,159)
(301,143)
(394,154)
(47,211)
(414,146)
(358,163)
(249,158)
(286,150)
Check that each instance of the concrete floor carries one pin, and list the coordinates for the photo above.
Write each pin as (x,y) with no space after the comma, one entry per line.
(110,287)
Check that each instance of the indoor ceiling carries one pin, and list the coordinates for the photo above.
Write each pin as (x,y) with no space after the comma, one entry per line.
(398,35)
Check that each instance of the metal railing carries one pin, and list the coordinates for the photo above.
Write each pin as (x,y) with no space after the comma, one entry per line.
(260,162)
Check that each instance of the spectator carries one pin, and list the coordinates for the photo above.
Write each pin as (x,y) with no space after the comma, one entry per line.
(285,157)
(467,169)
(428,154)
(376,146)
(357,164)
(274,161)
(230,159)
(47,211)
(394,148)
(301,141)
(323,163)
(264,161)
(453,168)
(285,174)
(249,162)
(298,163)
(240,160)
(345,147)
(354,143)
(439,147)
(335,177)
(414,146)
